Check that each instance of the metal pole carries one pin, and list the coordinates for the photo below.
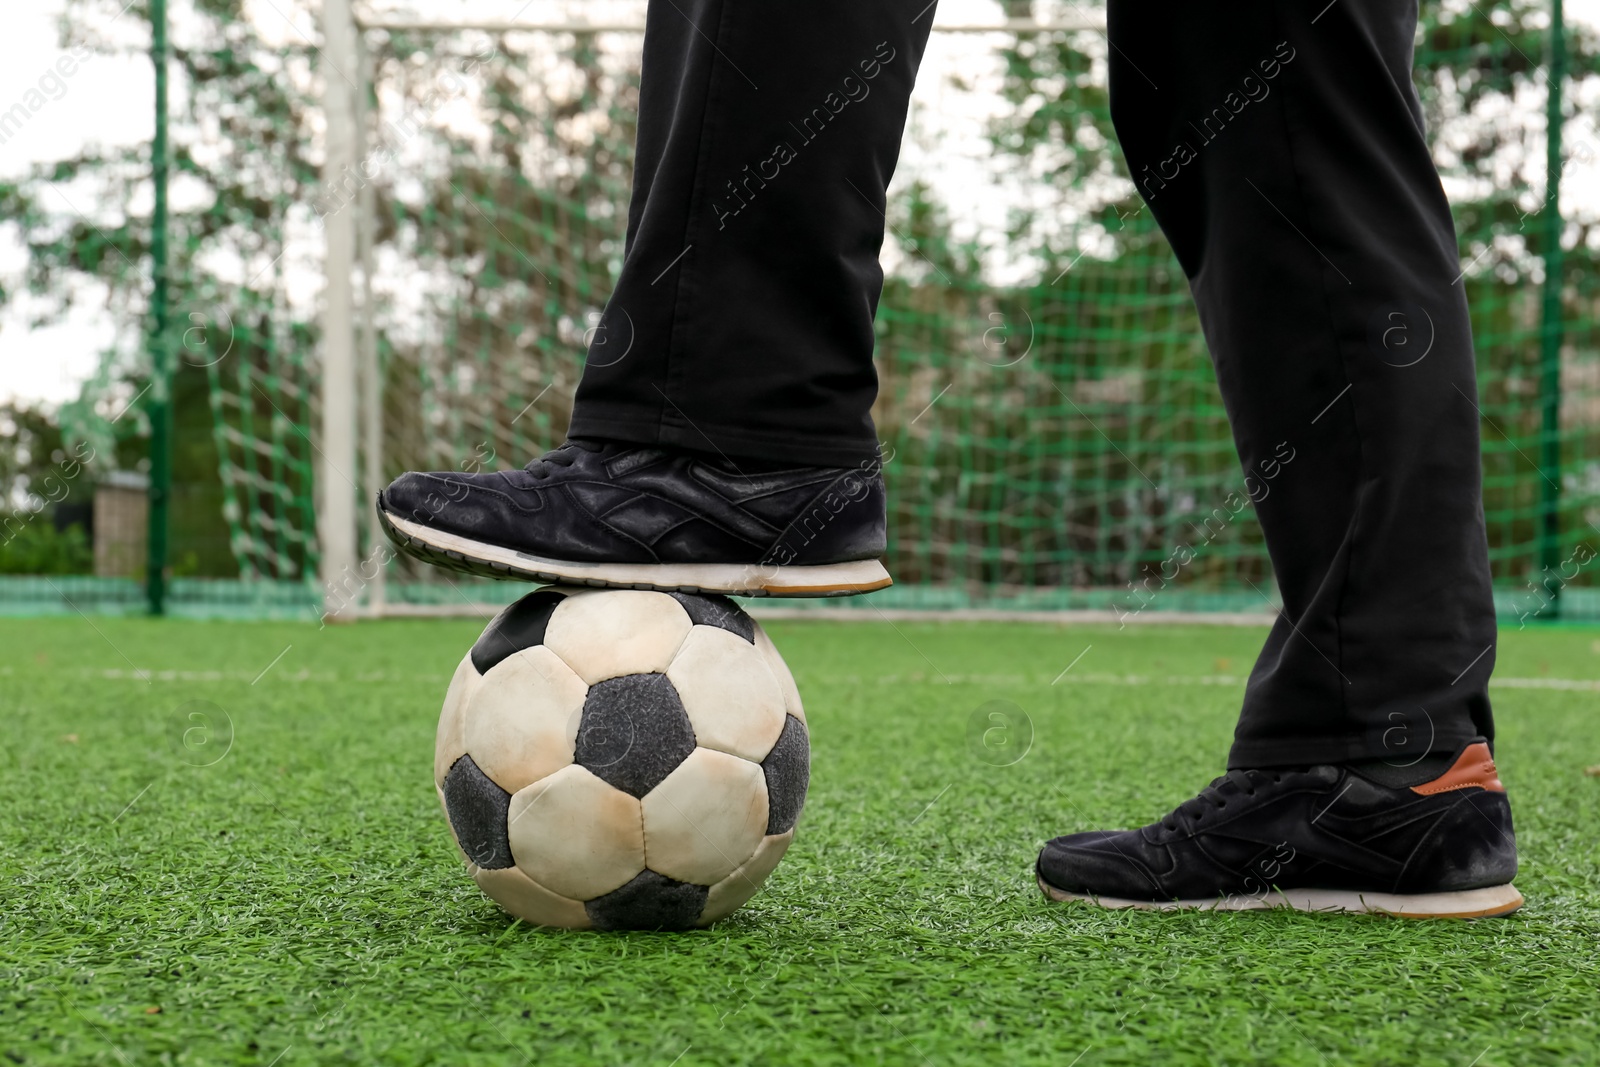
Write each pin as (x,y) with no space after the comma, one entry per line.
(336,515)
(160,403)
(1550,329)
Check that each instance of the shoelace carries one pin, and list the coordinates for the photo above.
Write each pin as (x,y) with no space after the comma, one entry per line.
(1215,796)
(558,457)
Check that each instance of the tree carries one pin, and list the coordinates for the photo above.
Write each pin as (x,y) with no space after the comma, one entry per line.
(482,250)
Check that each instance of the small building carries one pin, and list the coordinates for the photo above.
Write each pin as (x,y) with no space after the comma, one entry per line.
(121,524)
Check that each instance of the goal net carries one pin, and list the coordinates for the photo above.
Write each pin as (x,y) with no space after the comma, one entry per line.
(1047,397)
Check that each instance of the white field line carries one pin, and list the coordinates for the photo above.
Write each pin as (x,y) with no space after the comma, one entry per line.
(1580,685)
(763,611)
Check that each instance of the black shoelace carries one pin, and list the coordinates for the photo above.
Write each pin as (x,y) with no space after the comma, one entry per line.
(1214,797)
(558,457)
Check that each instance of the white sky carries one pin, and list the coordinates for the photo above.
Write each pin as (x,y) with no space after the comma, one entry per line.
(108,101)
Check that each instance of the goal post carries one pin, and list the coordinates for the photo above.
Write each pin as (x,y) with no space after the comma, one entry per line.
(337,489)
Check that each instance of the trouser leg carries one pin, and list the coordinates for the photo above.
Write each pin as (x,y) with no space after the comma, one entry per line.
(742,319)
(1279,144)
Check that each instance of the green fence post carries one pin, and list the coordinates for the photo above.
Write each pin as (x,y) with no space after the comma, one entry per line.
(1550,326)
(160,404)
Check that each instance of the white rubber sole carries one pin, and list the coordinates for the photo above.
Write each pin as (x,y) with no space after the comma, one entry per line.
(1466,904)
(742,579)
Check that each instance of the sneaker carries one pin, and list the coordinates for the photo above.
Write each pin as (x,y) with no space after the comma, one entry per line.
(1327,838)
(607,514)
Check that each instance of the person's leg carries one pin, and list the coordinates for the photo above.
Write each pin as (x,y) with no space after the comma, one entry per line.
(1323,260)
(1279,144)
(742,320)
(721,439)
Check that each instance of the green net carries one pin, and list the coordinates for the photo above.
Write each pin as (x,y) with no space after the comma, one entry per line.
(1047,398)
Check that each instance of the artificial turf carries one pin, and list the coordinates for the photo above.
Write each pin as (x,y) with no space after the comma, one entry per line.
(299,901)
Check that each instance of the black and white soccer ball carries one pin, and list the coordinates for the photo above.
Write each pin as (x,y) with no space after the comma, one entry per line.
(622,759)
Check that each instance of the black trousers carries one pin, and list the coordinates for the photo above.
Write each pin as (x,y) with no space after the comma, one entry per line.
(1278,143)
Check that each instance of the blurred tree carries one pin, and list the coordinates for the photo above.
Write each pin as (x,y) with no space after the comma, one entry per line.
(30,447)
(499,183)
(500,168)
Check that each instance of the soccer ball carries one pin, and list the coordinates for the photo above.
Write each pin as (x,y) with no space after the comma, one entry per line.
(622,759)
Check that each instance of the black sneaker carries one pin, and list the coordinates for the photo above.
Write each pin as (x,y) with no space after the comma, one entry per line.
(606,514)
(1328,838)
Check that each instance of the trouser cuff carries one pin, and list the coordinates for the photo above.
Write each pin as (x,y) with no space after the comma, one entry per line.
(731,442)
(1308,751)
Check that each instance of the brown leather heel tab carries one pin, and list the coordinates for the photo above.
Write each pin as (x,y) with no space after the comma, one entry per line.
(1473,769)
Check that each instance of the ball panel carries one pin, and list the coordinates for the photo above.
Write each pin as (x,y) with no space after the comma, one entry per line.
(576,835)
(449,742)
(521,721)
(518,626)
(780,671)
(634,732)
(650,901)
(708,609)
(730,894)
(478,813)
(706,818)
(733,701)
(788,773)
(606,633)
(529,901)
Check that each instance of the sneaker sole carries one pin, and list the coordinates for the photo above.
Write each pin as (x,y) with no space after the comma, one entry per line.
(457,553)
(1465,904)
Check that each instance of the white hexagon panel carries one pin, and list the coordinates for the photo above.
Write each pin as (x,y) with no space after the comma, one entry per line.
(706,818)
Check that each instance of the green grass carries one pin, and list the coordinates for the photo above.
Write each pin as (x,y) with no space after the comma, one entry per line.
(299,901)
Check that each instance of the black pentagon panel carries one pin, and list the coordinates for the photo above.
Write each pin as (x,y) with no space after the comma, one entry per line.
(708,609)
(478,810)
(634,732)
(519,626)
(650,901)
(788,772)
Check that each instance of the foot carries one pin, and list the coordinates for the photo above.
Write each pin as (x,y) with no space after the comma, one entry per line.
(1326,838)
(607,514)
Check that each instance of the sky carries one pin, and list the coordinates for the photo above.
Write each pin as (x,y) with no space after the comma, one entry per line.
(108,100)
